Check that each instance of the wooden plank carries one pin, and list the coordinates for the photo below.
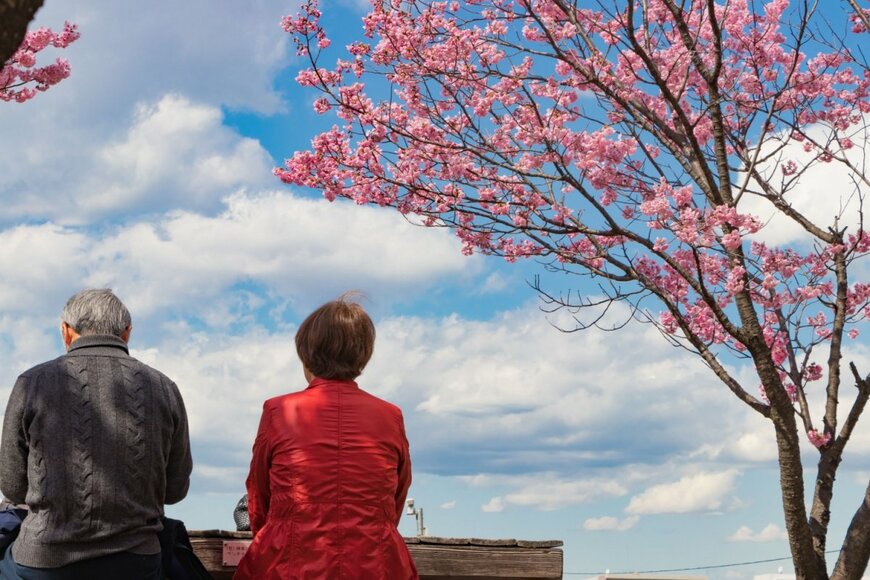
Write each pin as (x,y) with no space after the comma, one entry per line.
(480,562)
(435,558)
(220,534)
(408,540)
(210,551)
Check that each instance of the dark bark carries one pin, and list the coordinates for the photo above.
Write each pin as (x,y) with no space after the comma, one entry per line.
(15,15)
(820,515)
(855,552)
(856,548)
(808,565)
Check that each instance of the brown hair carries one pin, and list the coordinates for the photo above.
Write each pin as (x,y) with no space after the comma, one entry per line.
(336,341)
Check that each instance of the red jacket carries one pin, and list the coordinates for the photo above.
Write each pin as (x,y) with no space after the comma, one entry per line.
(327,488)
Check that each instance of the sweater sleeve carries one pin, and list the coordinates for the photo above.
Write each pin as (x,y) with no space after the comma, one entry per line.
(404,469)
(13,447)
(180,463)
(257,483)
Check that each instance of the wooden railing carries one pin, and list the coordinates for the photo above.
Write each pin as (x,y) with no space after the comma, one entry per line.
(436,558)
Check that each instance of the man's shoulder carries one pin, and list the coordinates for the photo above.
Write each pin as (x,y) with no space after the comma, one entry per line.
(41,368)
(137,366)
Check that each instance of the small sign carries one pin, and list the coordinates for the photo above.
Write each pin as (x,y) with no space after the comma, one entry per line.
(234,550)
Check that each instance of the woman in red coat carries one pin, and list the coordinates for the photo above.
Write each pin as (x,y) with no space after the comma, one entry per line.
(331,467)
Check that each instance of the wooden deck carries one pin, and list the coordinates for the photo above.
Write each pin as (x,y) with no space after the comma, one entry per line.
(436,558)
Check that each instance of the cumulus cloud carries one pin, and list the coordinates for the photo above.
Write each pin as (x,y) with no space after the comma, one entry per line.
(299,247)
(176,154)
(551,493)
(494,283)
(751,441)
(39,259)
(538,399)
(138,124)
(610,524)
(703,492)
(448,505)
(755,446)
(770,533)
(218,477)
(228,54)
(826,193)
(288,244)
(547,491)
(494,505)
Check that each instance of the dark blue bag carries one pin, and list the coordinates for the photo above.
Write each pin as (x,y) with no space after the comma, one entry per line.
(179,561)
(10,525)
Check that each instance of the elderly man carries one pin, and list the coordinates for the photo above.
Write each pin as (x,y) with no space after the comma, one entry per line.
(95,443)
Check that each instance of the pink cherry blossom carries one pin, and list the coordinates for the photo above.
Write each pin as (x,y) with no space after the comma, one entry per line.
(817,439)
(21,79)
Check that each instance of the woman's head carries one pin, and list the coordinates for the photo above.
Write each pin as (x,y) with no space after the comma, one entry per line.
(336,341)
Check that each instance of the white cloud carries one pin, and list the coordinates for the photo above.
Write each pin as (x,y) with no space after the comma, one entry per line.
(448,505)
(513,379)
(38,260)
(551,493)
(307,249)
(703,492)
(547,491)
(286,243)
(77,157)
(750,441)
(771,533)
(610,524)
(494,505)
(210,476)
(578,377)
(225,53)
(755,446)
(825,193)
(494,283)
(176,154)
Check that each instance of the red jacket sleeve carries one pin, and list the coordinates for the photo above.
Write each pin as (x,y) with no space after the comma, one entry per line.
(404,469)
(258,477)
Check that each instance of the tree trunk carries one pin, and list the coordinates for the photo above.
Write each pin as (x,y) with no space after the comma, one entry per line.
(808,566)
(15,15)
(856,548)
(820,515)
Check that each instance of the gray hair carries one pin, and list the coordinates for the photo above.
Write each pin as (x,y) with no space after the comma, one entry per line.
(96,311)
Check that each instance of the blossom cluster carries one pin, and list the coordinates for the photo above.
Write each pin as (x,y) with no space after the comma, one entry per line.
(21,79)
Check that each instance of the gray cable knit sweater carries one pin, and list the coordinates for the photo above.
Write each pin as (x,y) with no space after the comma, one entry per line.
(95,443)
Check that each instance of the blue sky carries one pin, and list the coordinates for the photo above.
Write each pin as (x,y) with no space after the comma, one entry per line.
(149,171)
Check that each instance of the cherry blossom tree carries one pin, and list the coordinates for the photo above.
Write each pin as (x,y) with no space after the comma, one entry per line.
(21,79)
(642,143)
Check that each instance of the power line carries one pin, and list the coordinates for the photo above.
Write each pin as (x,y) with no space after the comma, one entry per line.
(691,569)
